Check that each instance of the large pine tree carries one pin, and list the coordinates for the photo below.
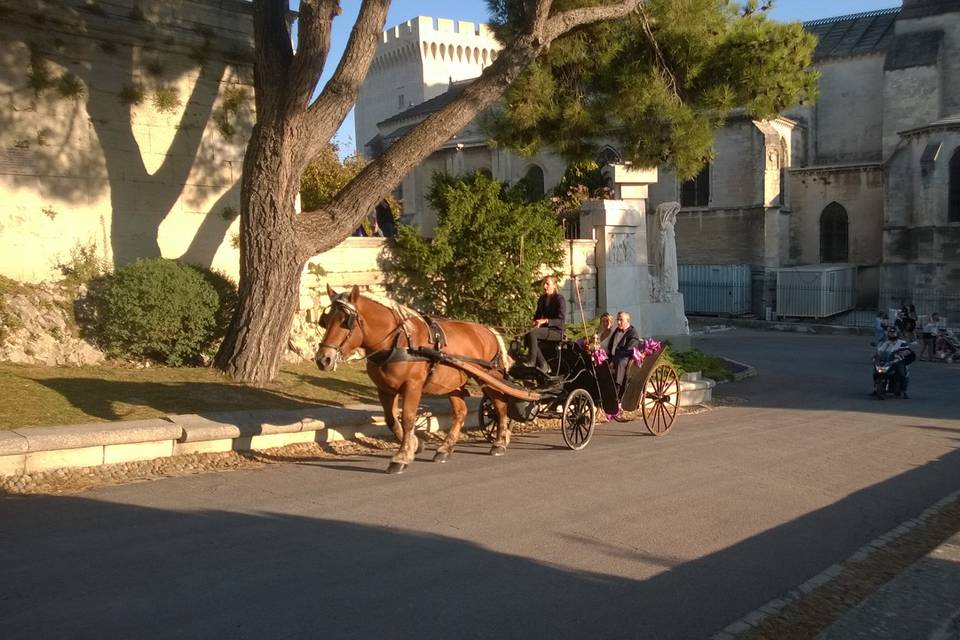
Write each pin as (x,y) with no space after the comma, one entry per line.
(671,85)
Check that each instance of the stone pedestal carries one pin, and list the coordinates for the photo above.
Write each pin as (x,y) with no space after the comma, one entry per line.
(665,319)
(619,228)
(620,232)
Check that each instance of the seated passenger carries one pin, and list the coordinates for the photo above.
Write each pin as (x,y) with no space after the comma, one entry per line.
(619,346)
(547,323)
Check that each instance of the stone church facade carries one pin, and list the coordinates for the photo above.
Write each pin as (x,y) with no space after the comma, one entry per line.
(868,175)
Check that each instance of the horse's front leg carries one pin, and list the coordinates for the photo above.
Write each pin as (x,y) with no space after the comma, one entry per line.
(459,408)
(410,402)
(503,427)
(388,400)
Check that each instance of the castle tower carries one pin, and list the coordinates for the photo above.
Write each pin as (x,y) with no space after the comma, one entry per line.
(416,61)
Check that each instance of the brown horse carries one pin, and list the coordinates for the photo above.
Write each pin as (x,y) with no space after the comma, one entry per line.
(387,331)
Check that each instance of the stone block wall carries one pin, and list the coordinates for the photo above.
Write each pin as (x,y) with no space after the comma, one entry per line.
(859,189)
(721,236)
(365,262)
(115,132)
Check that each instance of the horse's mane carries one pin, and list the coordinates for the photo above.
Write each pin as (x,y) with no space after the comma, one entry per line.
(390,303)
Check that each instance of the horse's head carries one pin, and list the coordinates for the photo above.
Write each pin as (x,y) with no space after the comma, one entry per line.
(343,329)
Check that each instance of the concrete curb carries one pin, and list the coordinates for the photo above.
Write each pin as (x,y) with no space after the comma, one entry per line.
(800,327)
(41,449)
(775,606)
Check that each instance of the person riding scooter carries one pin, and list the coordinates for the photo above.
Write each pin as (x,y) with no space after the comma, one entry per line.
(890,365)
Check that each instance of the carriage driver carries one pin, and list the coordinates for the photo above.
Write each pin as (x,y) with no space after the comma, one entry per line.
(547,323)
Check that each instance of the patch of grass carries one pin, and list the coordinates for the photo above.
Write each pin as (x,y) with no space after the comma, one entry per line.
(71,87)
(224,126)
(40,77)
(31,395)
(84,264)
(132,94)
(695,360)
(166,99)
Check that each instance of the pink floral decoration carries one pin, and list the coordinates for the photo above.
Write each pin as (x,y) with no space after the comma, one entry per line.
(600,356)
(614,416)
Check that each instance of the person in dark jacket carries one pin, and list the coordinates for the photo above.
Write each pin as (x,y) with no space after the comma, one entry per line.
(619,346)
(548,322)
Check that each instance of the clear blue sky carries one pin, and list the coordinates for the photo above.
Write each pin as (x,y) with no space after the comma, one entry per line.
(476,11)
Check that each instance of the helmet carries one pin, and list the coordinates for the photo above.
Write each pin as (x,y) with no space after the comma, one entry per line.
(892,332)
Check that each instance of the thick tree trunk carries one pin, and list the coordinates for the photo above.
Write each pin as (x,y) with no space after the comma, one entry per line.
(270,264)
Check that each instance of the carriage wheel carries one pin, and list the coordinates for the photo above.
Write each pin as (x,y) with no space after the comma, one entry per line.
(576,422)
(487,419)
(661,399)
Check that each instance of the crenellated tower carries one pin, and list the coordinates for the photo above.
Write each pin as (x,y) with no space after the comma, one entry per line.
(415,61)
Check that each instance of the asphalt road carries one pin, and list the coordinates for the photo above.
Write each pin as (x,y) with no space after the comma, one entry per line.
(634,537)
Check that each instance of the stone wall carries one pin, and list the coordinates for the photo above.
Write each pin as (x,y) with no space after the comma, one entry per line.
(859,189)
(115,132)
(365,262)
(721,236)
(847,86)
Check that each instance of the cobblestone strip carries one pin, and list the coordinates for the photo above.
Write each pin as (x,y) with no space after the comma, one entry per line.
(753,620)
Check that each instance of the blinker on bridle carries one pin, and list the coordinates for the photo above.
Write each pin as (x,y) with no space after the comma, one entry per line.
(351,323)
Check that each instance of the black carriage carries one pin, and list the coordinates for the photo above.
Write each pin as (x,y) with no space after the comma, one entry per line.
(578,387)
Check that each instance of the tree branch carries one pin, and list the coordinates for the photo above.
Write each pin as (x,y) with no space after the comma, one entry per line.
(326,114)
(320,230)
(313,46)
(566,21)
(273,49)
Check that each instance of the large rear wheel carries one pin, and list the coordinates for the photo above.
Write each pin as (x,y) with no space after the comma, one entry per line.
(577,420)
(661,399)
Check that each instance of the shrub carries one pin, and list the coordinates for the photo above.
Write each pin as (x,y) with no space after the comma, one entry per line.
(485,259)
(166,99)
(163,310)
(84,263)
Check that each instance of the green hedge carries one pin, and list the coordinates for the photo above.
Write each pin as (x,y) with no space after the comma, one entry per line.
(164,311)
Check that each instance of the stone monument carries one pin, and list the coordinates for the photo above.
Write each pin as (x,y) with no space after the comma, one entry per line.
(619,228)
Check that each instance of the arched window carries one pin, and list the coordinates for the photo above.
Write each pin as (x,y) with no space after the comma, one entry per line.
(953,206)
(534,180)
(833,234)
(608,155)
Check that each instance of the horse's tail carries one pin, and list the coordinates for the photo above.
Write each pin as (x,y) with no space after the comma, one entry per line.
(502,351)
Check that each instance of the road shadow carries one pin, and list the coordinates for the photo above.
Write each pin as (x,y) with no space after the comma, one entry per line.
(86,568)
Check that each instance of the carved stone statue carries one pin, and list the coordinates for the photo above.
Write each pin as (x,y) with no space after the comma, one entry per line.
(667,281)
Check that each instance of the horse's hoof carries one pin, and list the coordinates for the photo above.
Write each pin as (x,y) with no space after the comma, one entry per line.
(441,456)
(497,450)
(396,468)
(420,444)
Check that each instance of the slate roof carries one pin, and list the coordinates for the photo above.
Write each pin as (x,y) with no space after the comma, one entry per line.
(855,34)
(427,107)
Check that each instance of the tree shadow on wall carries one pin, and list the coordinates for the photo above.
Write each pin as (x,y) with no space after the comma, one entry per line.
(99,84)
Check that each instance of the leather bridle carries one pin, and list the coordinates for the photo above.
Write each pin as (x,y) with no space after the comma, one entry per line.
(354,321)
